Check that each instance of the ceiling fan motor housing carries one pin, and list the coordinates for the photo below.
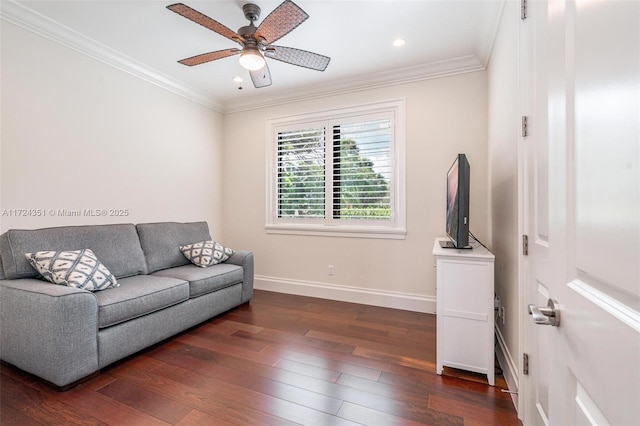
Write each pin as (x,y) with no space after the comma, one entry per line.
(247,32)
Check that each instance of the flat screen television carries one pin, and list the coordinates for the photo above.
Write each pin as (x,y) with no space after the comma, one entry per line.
(457,220)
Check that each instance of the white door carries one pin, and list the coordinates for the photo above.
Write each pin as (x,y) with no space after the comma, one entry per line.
(580,75)
(533,76)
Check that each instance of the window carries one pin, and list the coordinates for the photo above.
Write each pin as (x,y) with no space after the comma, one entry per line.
(338,172)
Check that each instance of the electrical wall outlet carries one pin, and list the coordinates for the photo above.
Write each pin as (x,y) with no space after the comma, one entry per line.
(503,315)
(330,269)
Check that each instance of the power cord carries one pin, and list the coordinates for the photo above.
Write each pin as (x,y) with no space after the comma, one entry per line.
(477,240)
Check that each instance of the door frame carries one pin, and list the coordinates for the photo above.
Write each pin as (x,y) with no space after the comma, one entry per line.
(524,94)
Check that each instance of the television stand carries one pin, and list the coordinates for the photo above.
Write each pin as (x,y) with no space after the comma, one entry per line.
(464,295)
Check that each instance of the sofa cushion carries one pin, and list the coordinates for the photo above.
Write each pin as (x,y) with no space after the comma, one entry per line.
(161,242)
(206,253)
(138,296)
(205,280)
(78,268)
(117,246)
(1,270)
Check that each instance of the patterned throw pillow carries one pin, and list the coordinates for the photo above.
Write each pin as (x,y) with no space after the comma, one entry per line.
(206,253)
(79,268)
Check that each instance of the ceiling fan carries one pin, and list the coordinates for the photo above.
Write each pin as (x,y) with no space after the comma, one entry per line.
(257,42)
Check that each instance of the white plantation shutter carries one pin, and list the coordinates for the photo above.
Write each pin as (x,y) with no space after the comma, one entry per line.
(362,170)
(338,172)
(301,173)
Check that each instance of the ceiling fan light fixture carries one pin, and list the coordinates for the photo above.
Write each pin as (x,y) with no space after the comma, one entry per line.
(251,59)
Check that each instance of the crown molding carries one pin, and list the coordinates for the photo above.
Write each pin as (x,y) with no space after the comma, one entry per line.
(39,24)
(32,21)
(388,78)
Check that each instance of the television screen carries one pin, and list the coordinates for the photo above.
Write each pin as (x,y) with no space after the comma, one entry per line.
(457,218)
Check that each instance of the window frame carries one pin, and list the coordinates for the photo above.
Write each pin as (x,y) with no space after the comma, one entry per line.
(392,228)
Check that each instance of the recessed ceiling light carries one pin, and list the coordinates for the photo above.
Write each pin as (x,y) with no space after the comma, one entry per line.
(238,79)
(399,42)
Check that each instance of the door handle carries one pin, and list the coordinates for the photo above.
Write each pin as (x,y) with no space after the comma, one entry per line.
(547,315)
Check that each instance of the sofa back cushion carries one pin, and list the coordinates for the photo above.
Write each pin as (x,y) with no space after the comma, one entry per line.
(161,242)
(116,246)
(1,269)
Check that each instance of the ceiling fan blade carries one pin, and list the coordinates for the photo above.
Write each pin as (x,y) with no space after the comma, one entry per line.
(298,57)
(282,20)
(208,57)
(205,21)
(261,77)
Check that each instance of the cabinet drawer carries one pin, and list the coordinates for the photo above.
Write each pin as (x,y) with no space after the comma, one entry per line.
(465,344)
(464,286)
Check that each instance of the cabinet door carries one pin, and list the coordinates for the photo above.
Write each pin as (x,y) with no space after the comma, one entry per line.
(466,290)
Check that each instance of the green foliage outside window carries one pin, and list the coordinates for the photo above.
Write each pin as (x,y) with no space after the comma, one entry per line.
(363,192)
(301,174)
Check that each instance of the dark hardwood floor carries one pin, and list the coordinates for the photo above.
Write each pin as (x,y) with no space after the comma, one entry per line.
(280,360)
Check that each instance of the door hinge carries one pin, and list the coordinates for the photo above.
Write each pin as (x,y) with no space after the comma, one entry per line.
(525,364)
(525,245)
(523,9)
(525,126)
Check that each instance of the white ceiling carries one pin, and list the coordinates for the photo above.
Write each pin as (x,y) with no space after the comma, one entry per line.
(146,39)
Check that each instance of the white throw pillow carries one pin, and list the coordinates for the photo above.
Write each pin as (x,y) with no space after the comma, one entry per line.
(78,268)
(206,253)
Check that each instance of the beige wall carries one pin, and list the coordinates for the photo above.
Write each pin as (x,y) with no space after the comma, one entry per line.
(79,134)
(444,116)
(503,170)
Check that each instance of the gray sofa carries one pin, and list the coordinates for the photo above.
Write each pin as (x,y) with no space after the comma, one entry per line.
(64,334)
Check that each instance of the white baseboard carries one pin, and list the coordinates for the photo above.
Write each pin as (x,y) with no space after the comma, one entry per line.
(387,299)
(509,367)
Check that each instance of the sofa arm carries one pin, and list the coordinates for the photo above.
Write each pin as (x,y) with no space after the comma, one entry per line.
(244,259)
(49,330)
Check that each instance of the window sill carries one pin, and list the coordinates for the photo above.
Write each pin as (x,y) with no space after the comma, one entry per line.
(375,232)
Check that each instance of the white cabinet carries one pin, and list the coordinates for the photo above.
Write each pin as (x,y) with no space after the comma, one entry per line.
(465,329)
